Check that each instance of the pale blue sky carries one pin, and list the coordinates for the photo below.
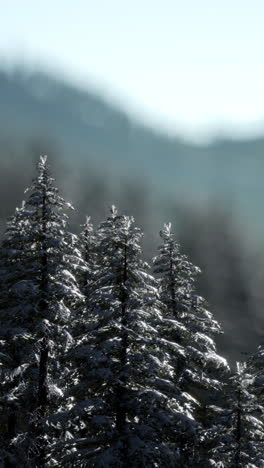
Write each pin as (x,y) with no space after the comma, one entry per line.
(191,66)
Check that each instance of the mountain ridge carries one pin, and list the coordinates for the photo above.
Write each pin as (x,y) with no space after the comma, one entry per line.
(91,132)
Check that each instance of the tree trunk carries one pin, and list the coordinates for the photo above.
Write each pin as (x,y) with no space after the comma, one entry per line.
(121,411)
(43,373)
(42,400)
(172,286)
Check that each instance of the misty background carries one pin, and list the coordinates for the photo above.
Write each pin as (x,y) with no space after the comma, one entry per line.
(157,108)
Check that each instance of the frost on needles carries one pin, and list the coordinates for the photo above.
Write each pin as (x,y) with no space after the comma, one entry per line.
(105,363)
(39,294)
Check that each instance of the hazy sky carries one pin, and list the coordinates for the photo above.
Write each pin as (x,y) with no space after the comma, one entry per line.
(192,66)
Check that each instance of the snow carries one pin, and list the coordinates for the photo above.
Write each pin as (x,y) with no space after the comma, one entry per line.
(129,358)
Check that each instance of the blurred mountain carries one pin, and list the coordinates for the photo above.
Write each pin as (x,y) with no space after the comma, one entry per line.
(91,132)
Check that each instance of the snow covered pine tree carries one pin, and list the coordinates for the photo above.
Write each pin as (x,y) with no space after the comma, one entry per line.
(11,272)
(126,409)
(38,295)
(198,370)
(240,432)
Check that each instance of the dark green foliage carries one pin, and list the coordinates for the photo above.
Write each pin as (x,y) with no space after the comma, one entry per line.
(104,365)
(39,296)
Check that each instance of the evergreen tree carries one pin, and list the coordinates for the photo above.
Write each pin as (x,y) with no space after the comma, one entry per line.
(255,366)
(101,364)
(239,432)
(39,293)
(12,337)
(198,369)
(126,410)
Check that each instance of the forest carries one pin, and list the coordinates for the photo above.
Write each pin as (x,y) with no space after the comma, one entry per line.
(108,361)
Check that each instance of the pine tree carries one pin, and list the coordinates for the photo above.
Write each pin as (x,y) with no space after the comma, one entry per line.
(239,433)
(12,337)
(126,409)
(255,368)
(198,369)
(255,365)
(42,295)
